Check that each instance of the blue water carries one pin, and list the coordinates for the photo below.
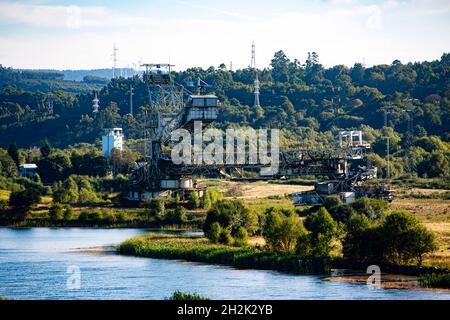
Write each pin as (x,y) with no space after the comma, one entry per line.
(34,262)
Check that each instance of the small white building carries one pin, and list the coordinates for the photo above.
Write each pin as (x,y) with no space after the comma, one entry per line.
(113,138)
(27,170)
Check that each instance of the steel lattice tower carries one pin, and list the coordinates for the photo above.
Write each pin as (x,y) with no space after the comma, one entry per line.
(256,82)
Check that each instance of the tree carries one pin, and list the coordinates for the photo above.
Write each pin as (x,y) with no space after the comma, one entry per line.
(405,238)
(155,208)
(68,213)
(372,208)
(178,215)
(45,149)
(193,200)
(231,214)
(13,152)
(280,67)
(323,230)
(56,212)
(225,237)
(241,237)
(281,233)
(23,201)
(214,232)
(437,165)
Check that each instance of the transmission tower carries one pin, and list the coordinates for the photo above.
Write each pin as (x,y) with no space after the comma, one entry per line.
(256,82)
(49,103)
(409,135)
(131,98)
(95,104)
(114,55)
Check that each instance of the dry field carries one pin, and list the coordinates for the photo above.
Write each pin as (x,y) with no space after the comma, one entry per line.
(433,213)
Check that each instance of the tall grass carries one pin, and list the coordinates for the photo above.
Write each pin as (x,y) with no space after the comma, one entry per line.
(179,295)
(200,249)
(435,280)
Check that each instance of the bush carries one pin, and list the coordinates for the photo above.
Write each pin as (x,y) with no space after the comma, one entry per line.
(241,237)
(372,208)
(214,232)
(68,213)
(435,280)
(56,212)
(397,240)
(282,233)
(405,238)
(179,295)
(225,237)
(155,208)
(331,201)
(22,201)
(90,216)
(231,214)
(193,200)
(176,216)
(341,212)
(323,230)
(210,198)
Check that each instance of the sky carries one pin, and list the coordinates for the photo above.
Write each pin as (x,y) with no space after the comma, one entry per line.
(61,34)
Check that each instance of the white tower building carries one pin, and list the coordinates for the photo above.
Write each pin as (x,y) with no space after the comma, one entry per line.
(113,138)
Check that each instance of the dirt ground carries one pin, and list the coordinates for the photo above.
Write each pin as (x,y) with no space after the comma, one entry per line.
(258,189)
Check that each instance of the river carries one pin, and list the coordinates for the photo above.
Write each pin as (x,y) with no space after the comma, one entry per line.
(34,264)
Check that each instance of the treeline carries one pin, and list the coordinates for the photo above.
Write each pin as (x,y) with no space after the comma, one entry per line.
(365,231)
(407,103)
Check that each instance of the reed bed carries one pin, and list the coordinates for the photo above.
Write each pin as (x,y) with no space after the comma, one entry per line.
(200,249)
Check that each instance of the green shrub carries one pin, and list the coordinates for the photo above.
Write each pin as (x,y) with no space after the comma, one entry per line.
(435,280)
(323,230)
(214,232)
(399,239)
(282,232)
(231,214)
(372,208)
(68,213)
(341,212)
(405,238)
(90,216)
(225,237)
(179,295)
(56,212)
(241,237)
(331,201)
(193,200)
(155,208)
(176,216)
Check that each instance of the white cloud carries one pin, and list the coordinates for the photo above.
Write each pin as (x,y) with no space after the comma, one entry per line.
(339,33)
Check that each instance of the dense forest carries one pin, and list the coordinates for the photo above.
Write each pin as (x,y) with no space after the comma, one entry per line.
(409,103)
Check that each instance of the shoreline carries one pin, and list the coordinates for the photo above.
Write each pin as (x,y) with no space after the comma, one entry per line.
(388,281)
(200,250)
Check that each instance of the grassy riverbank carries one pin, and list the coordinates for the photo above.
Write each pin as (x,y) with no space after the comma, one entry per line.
(200,249)
(435,280)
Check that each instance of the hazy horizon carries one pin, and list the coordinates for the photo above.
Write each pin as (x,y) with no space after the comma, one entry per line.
(80,35)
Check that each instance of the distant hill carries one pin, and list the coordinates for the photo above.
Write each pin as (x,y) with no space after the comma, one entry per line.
(78,75)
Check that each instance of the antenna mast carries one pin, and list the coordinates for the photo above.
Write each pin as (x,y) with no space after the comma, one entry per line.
(256,82)
(114,55)
(131,98)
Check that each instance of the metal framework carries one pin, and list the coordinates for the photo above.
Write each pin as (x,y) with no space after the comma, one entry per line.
(166,111)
